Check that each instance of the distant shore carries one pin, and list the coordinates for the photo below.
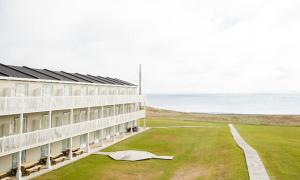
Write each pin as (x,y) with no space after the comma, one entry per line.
(287,120)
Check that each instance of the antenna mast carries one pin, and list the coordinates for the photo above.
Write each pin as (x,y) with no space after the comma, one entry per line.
(140,79)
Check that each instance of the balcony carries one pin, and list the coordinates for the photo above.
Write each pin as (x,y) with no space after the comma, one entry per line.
(18,142)
(17,105)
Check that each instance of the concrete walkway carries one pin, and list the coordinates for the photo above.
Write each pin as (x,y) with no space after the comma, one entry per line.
(163,127)
(256,168)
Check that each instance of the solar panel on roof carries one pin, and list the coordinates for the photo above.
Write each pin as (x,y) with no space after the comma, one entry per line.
(84,77)
(107,80)
(71,76)
(33,73)
(113,80)
(127,83)
(97,79)
(58,76)
(12,72)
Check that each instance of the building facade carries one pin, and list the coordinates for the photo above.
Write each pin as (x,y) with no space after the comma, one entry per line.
(49,116)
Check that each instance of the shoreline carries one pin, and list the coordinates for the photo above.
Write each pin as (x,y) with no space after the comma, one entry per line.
(286,120)
(222,113)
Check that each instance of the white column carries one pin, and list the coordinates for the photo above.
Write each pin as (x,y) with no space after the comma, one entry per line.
(114,127)
(71,140)
(131,129)
(48,164)
(49,145)
(88,134)
(19,171)
(88,143)
(101,141)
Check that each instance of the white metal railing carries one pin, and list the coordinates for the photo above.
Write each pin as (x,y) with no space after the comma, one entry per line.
(18,142)
(16,105)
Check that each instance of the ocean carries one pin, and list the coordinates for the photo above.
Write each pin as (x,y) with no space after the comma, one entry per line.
(228,103)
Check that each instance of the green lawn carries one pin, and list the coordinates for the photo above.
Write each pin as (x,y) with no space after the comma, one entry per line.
(200,153)
(278,146)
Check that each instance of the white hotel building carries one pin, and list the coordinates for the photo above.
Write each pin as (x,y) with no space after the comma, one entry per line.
(47,116)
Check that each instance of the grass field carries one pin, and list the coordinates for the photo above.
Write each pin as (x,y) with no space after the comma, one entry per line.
(202,153)
(279,148)
(206,152)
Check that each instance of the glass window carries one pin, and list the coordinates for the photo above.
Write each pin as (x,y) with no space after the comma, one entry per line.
(23,157)
(83,139)
(44,150)
(15,160)
(67,90)
(66,118)
(24,124)
(21,90)
(47,90)
(84,91)
(44,121)
(82,116)
(65,144)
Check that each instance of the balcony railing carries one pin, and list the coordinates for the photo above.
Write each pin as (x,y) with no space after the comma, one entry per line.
(16,105)
(18,142)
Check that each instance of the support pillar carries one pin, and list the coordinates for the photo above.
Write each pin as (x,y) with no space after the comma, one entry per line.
(131,129)
(19,171)
(70,148)
(88,143)
(102,128)
(114,128)
(71,139)
(48,163)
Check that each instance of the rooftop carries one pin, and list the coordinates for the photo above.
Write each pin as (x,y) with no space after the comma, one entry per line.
(46,74)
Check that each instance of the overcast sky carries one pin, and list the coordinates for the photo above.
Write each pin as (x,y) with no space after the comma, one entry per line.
(184,46)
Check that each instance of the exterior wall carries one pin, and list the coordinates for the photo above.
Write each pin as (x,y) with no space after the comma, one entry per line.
(6,163)
(56,148)
(91,137)
(8,126)
(8,88)
(33,155)
(76,142)
(36,120)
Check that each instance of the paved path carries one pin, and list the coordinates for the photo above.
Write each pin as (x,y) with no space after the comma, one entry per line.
(162,127)
(256,168)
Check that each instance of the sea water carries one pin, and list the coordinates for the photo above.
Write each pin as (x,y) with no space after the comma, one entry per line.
(228,103)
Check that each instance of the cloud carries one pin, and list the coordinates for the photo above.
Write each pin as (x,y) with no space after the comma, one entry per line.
(184,46)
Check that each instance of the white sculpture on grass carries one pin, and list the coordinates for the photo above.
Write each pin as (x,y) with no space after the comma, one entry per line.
(132,155)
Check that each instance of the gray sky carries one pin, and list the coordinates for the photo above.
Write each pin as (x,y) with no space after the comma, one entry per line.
(185,46)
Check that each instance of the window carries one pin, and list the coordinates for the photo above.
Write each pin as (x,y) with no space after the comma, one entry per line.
(23,156)
(47,90)
(15,159)
(84,91)
(21,90)
(65,144)
(24,124)
(97,136)
(2,128)
(82,116)
(83,139)
(44,150)
(16,125)
(44,121)
(67,90)
(66,118)
(36,124)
